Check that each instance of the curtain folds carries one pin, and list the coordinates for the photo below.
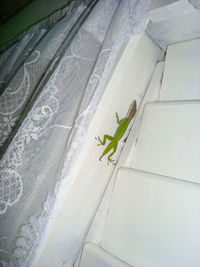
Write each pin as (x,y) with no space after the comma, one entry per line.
(195,3)
(50,83)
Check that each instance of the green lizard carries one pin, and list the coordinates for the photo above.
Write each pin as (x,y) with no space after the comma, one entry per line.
(121,129)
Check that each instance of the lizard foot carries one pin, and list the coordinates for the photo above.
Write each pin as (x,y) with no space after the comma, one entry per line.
(99,139)
(112,161)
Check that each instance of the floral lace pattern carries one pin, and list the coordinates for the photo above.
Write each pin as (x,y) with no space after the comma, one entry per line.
(5,127)
(33,128)
(10,180)
(22,86)
(12,100)
(11,104)
(38,123)
(10,188)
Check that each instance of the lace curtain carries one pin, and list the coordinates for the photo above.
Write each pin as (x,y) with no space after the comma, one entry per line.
(51,80)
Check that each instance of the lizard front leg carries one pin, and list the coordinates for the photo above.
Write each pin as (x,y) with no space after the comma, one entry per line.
(102,143)
(117,116)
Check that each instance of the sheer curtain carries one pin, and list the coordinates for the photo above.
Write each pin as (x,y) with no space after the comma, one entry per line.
(195,3)
(51,80)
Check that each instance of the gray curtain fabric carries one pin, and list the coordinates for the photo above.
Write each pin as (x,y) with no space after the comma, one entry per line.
(195,3)
(51,81)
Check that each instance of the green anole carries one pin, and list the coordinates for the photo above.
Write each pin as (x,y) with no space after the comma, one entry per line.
(121,129)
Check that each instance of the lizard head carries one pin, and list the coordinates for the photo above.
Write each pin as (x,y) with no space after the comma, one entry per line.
(132,110)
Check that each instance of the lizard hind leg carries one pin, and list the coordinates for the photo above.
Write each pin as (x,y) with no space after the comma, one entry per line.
(109,157)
